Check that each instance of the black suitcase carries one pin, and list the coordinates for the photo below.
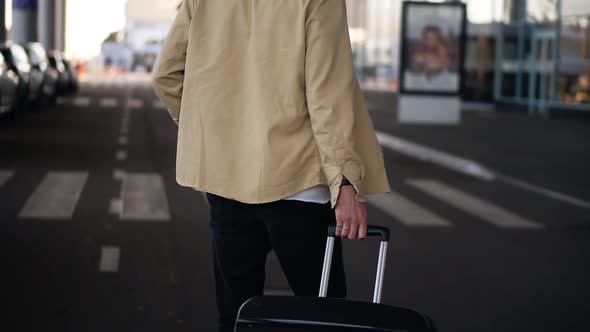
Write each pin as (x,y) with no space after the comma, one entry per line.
(306,313)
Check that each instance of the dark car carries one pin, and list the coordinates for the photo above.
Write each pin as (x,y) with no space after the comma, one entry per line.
(65,76)
(9,99)
(16,59)
(47,90)
(73,86)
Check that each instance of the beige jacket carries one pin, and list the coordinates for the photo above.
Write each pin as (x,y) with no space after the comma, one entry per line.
(266,100)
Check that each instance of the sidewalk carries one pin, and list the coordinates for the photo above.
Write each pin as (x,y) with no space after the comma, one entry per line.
(550,152)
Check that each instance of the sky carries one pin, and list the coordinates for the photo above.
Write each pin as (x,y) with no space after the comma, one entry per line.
(89,22)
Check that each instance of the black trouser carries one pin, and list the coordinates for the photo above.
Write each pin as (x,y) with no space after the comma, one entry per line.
(243,234)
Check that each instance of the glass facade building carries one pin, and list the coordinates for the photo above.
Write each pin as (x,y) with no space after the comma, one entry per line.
(533,53)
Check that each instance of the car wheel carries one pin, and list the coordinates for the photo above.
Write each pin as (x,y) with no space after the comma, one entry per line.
(52,99)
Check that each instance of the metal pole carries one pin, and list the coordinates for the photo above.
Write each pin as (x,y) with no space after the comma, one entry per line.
(533,73)
(499,60)
(60,24)
(2,20)
(544,73)
(24,20)
(555,55)
(520,57)
(46,19)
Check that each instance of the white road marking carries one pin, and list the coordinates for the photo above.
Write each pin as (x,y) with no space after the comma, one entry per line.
(108,102)
(546,192)
(81,101)
(441,158)
(123,140)
(470,167)
(92,84)
(121,155)
(143,198)
(157,104)
(406,211)
(116,206)
(56,196)
(134,103)
(118,174)
(5,176)
(487,211)
(109,259)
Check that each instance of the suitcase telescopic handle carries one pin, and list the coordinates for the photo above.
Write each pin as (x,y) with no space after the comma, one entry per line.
(372,230)
(383,232)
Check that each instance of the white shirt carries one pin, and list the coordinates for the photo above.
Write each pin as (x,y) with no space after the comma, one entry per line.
(316,194)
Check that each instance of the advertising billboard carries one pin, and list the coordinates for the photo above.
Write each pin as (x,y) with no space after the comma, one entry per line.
(433,48)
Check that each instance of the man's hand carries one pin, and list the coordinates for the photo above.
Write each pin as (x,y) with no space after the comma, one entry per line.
(351,216)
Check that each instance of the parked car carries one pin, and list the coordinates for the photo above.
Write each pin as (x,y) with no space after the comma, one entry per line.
(65,76)
(73,86)
(9,84)
(16,59)
(47,91)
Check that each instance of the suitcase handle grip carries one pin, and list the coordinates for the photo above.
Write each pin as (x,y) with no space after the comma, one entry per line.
(383,232)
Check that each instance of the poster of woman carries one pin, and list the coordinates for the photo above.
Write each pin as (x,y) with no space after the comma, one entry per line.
(432,47)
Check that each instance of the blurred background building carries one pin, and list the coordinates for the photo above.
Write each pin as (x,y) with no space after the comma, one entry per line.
(529,53)
(532,53)
(146,25)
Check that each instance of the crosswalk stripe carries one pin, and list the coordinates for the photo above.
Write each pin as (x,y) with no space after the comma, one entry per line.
(5,176)
(487,211)
(157,104)
(134,103)
(109,259)
(108,102)
(143,197)
(406,211)
(56,196)
(123,140)
(121,155)
(81,101)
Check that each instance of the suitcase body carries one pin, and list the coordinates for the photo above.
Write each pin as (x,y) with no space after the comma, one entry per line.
(306,313)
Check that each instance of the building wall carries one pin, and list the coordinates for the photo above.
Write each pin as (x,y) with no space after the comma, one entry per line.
(151,10)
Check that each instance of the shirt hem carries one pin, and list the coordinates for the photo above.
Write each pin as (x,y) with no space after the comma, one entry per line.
(269,200)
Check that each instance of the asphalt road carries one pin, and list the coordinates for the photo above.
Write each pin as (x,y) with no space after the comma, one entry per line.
(96,234)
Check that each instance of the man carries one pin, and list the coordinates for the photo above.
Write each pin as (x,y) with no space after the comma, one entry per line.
(274,129)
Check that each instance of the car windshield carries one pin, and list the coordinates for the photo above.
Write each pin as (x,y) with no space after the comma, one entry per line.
(37,54)
(20,56)
(56,62)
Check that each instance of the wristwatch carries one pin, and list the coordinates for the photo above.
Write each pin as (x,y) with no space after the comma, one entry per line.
(345,182)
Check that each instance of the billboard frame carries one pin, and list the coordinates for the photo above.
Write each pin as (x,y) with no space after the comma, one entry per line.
(403,54)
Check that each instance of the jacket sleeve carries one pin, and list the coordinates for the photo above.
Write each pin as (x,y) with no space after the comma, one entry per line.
(331,86)
(168,72)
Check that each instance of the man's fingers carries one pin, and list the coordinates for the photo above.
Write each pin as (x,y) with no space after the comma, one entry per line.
(345,228)
(353,231)
(362,230)
(338,228)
